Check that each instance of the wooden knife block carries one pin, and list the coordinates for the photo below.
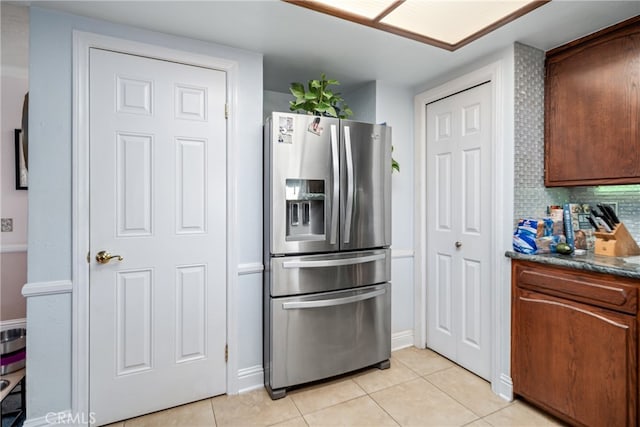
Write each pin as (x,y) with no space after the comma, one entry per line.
(617,243)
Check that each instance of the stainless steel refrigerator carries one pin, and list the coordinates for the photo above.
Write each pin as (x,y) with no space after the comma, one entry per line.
(327,226)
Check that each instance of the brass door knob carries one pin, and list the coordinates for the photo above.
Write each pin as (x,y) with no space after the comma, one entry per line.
(103,257)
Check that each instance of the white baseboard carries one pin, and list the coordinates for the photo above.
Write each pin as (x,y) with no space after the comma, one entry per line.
(250,378)
(61,418)
(36,422)
(402,339)
(504,387)
(54,418)
(13,323)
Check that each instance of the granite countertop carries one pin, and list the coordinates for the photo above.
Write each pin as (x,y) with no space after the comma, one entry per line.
(619,266)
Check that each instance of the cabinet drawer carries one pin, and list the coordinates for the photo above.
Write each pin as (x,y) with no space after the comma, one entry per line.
(592,288)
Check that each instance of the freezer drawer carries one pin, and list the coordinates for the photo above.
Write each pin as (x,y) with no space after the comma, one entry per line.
(322,335)
(319,273)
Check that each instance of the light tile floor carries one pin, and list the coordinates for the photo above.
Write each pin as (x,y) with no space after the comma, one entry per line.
(421,388)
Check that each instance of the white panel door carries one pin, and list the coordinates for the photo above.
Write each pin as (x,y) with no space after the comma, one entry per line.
(459,228)
(158,199)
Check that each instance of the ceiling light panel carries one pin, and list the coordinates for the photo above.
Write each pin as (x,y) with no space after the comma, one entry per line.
(364,8)
(449,21)
(448,24)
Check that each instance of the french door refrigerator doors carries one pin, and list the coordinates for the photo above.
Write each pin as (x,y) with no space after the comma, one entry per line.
(365,177)
(302,154)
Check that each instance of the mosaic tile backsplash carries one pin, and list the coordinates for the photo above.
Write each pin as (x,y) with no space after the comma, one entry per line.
(530,195)
(626,196)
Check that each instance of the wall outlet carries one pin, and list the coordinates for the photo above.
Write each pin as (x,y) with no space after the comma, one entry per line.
(614,205)
(6,224)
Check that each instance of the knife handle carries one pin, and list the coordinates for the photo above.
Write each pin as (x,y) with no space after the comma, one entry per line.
(606,217)
(605,213)
(612,214)
(592,222)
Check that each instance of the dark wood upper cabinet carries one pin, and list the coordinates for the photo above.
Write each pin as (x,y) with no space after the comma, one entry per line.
(592,109)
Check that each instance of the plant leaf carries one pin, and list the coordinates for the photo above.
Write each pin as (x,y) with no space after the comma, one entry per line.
(395,165)
(332,112)
(319,99)
(297,94)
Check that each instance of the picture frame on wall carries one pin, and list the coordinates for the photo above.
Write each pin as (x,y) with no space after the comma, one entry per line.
(22,171)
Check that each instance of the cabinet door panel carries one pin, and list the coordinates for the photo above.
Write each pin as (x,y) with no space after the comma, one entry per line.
(592,112)
(575,360)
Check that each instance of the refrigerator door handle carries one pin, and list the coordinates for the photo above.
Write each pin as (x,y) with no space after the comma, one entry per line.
(333,262)
(336,185)
(350,186)
(332,302)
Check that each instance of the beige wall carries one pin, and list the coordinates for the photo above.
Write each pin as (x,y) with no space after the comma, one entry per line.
(13,275)
(15,84)
(13,203)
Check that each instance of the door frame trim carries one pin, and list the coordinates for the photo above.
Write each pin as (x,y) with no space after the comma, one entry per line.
(497,73)
(82,42)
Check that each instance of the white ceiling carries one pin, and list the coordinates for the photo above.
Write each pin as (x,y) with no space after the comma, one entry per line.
(298,44)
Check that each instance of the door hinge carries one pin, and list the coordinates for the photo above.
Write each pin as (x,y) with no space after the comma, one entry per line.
(226,352)
(226,111)
(89,257)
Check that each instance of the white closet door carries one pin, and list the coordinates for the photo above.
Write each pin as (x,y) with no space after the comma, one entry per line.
(459,228)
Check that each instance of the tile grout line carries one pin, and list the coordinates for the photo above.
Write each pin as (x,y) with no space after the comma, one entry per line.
(384,410)
(335,404)
(366,394)
(453,397)
(419,376)
(433,372)
(297,409)
(385,388)
(480,417)
(215,420)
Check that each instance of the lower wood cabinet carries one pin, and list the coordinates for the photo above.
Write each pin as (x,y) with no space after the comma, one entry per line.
(574,344)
